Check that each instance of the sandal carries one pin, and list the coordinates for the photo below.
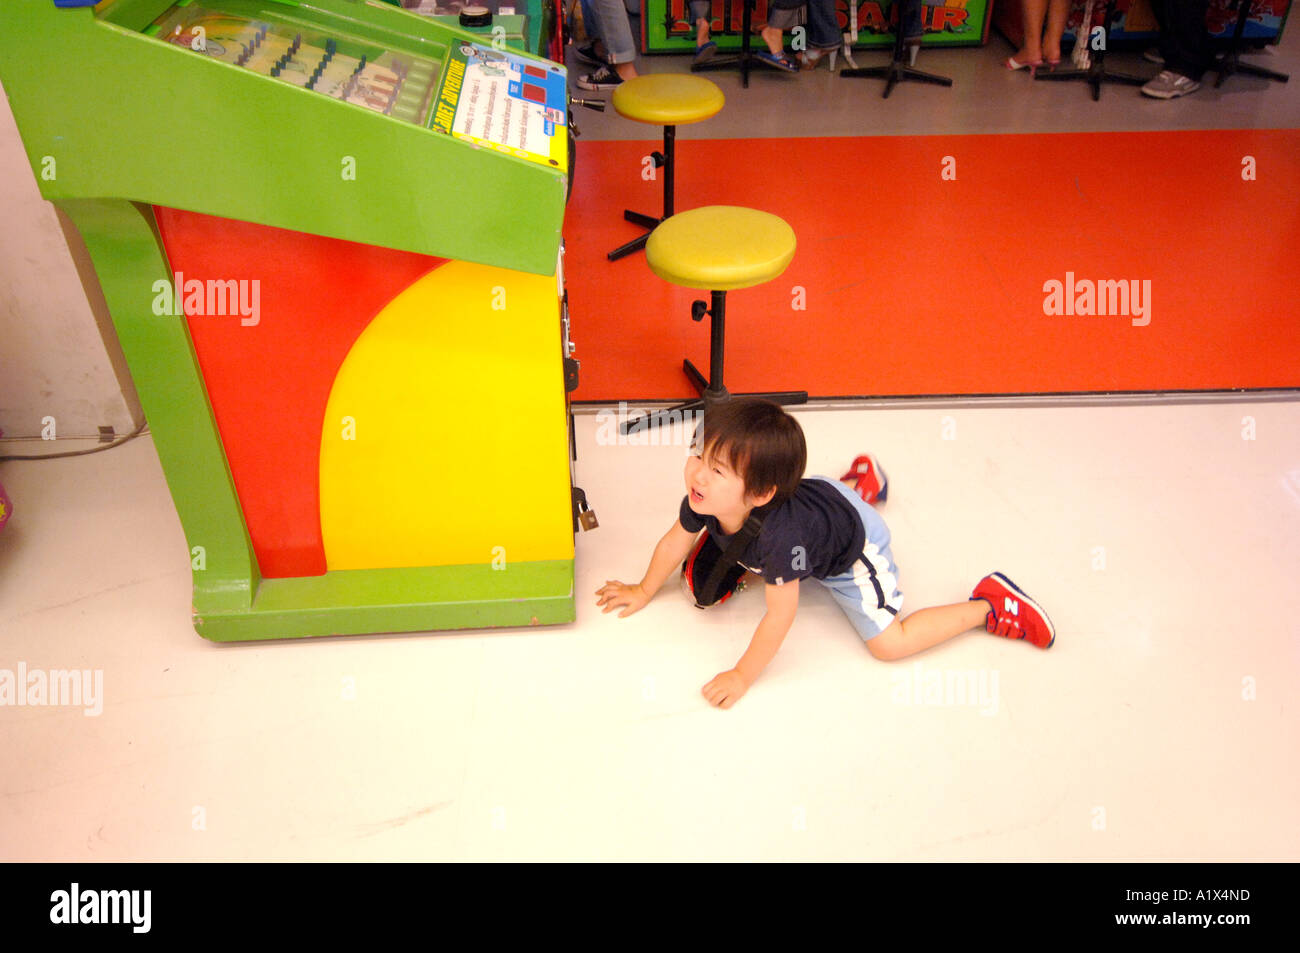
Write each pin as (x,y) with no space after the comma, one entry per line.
(704,53)
(781,62)
(809,59)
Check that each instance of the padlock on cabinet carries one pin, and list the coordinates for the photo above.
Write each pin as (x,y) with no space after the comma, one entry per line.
(584,515)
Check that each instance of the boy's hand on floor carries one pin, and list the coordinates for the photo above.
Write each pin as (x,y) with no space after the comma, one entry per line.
(614,594)
(725,689)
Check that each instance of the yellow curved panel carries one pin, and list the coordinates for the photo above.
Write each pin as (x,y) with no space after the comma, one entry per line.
(445,440)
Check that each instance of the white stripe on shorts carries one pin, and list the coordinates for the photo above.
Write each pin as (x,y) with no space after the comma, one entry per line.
(878,587)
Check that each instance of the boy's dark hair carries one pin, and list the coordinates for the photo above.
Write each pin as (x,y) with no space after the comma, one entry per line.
(760,441)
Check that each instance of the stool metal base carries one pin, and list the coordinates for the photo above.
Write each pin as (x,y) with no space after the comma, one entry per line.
(664,160)
(1228,66)
(1229,63)
(1094,76)
(712,392)
(897,71)
(636,218)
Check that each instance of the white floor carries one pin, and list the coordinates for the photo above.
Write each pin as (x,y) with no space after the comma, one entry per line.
(1160,539)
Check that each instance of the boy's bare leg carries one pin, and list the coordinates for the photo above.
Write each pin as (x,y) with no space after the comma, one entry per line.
(926,627)
(701,32)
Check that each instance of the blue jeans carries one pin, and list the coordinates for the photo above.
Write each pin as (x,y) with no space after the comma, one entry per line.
(910,17)
(607,19)
(1184,42)
(823,28)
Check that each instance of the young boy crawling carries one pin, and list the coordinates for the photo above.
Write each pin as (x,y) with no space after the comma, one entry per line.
(750,454)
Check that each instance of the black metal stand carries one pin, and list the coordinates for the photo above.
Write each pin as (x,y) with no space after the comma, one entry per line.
(744,58)
(1229,63)
(662,160)
(712,391)
(899,68)
(1096,73)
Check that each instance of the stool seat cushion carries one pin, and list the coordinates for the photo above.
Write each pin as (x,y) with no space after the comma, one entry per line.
(667,99)
(720,247)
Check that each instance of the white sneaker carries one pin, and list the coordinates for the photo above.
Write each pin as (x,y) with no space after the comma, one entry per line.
(1169,85)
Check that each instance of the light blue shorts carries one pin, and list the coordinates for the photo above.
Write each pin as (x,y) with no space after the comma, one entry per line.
(868,593)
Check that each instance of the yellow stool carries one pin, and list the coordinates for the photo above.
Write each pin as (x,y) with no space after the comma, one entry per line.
(717,248)
(669,100)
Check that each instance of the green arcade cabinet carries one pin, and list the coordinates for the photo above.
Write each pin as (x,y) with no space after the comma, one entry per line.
(328,233)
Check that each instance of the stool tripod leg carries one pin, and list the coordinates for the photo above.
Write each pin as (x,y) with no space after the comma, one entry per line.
(783,397)
(1228,63)
(622,251)
(1252,70)
(645,221)
(696,378)
(670,415)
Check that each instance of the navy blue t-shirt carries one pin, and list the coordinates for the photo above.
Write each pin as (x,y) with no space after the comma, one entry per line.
(816,533)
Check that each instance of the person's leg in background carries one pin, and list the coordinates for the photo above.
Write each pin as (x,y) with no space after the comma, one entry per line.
(633,8)
(1058,11)
(1191,42)
(594,52)
(616,32)
(1032,15)
(1185,46)
(701,13)
(913,31)
(782,15)
(823,33)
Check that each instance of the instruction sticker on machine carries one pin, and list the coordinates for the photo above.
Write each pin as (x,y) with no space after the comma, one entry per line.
(503,101)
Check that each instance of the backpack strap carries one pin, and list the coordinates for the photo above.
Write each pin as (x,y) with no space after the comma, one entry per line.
(708,593)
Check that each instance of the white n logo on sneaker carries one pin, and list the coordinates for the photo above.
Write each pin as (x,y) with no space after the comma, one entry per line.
(1011,605)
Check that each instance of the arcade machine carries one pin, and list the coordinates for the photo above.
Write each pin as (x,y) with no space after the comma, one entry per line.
(329,236)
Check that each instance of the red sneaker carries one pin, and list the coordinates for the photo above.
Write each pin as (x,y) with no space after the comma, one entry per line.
(870,480)
(1014,614)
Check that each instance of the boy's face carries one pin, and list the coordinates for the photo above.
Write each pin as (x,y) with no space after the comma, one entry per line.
(715,488)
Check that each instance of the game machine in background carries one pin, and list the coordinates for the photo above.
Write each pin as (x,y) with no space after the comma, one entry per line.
(866,24)
(529,25)
(329,238)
